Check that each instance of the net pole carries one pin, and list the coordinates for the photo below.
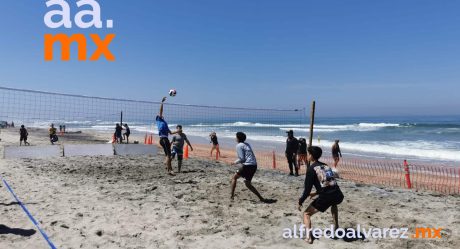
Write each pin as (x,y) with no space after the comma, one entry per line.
(312,122)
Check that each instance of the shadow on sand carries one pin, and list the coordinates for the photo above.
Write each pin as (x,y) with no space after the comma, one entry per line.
(9,204)
(16,231)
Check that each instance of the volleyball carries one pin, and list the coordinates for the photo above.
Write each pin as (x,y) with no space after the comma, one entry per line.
(172,92)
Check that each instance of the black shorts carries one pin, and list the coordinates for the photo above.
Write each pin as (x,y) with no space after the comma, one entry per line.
(324,201)
(179,157)
(164,142)
(23,138)
(247,171)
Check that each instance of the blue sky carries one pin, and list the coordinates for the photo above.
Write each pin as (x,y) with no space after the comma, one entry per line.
(355,58)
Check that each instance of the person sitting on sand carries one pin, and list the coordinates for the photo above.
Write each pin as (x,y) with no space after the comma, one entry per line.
(336,153)
(178,142)
(164,132)
(52,133)
(302,152)
(247,165)
(23,134)
(118,130)
(127,133)
(215,143)
(329,194)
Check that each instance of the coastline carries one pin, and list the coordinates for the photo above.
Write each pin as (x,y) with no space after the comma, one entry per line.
(130,202)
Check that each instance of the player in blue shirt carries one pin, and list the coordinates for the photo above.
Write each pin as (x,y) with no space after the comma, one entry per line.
(164,132)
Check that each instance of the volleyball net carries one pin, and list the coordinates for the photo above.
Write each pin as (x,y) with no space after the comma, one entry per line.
(265,129)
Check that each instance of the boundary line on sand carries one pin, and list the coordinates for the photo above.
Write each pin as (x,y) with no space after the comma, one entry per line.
(45,236)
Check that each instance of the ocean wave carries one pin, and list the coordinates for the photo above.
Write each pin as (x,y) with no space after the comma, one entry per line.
(359,127)
(247,124)
(305,127)
(419,149)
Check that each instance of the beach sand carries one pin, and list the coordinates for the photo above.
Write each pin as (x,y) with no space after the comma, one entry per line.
(130,202)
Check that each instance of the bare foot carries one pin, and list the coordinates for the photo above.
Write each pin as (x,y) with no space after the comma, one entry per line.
(309,240)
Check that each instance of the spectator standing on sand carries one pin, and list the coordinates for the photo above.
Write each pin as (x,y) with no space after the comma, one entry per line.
(336,153)
(118,130)
(178,141)
(292,146)
(127,133)
(52,133)
(215,143)
(302,152)
(329,194)
(23,134)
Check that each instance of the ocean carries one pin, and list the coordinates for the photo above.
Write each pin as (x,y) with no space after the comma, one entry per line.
(423,139)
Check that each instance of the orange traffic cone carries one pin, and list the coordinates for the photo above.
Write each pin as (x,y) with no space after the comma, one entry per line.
(151,138)
(113,138)
(145,138)
(186,152)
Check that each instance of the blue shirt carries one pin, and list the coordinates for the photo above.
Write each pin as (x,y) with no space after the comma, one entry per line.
(163,129)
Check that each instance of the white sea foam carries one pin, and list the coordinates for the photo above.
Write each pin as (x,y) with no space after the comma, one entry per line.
(446,150)
(419,149)
(247,124)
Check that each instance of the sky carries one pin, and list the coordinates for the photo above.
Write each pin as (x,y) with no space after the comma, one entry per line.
(354,58)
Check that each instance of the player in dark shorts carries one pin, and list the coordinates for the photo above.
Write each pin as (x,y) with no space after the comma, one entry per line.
(23,134)
(302,152)
(127,133)
(292,145)
(336,153)
(247,164)
(215,143)
(329,194)
(164,132)
(178,141)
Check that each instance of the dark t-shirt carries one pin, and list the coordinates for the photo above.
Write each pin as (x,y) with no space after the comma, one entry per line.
(302,146)
(23,132)
(292,145)
(179,140)
(214,140)
(118,130)
(335,150)
(311,179)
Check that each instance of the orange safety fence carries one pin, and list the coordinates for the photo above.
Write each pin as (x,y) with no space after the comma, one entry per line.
(441,179)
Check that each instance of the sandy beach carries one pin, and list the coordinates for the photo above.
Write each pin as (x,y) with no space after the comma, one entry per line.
(130,202)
